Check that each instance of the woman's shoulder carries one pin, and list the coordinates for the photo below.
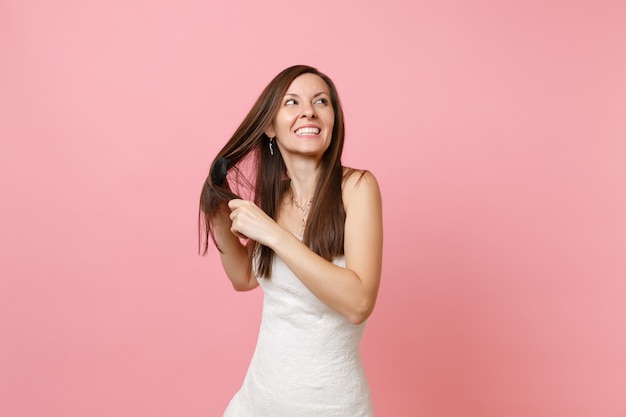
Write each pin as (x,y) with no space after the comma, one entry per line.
(358,181)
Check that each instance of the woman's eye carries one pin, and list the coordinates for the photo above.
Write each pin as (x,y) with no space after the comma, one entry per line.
(321,101)
(290,102)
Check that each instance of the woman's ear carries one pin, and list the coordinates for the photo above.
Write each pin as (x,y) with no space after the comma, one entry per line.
(270,131)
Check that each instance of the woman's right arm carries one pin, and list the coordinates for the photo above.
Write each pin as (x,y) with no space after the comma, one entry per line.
(236,257)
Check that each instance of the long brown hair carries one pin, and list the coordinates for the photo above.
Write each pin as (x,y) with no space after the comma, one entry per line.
(248,150)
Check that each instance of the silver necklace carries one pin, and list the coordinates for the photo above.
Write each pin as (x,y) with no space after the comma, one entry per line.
(304,210)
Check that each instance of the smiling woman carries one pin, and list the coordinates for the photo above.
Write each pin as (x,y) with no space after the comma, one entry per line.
(304,122)
(313,233)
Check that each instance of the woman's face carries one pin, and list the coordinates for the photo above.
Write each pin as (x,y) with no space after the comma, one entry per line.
(305,119)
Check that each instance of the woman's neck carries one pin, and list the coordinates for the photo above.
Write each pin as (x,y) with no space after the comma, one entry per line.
(303,175)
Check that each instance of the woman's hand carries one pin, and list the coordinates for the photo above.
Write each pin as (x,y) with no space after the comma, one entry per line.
(249,221)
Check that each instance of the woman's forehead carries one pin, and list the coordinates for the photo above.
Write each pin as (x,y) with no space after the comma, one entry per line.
(308,83)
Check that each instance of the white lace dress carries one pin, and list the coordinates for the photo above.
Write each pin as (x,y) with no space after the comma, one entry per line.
(307,361)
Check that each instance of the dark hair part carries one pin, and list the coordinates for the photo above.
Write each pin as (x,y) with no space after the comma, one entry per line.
(324,232)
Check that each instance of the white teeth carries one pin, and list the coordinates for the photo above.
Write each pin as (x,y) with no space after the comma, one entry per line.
(308,131)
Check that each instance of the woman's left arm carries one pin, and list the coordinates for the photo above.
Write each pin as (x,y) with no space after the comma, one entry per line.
(351,291)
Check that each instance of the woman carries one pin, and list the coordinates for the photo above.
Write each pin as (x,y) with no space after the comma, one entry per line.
(311,236)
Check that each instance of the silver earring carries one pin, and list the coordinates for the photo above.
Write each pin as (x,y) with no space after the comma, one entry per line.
(271,149)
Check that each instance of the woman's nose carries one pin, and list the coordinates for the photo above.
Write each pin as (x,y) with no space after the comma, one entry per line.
(308,112)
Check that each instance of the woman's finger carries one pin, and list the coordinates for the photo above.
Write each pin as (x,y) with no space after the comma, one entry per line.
(235,203)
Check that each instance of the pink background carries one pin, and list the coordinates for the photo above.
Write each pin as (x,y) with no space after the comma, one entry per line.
(497,131)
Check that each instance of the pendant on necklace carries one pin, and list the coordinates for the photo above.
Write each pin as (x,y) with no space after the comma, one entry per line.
(304,210)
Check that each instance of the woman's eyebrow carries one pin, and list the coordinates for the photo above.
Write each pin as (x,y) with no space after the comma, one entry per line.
(315,95)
